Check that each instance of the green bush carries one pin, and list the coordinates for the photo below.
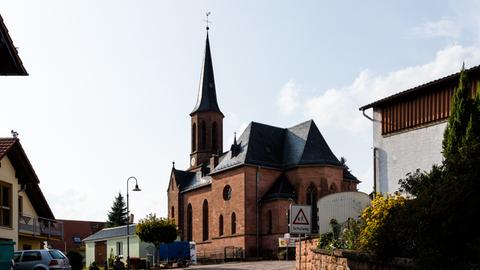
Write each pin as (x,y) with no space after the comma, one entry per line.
(344,236)
(76,260)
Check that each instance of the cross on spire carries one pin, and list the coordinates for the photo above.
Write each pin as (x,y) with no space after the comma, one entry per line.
(207,21)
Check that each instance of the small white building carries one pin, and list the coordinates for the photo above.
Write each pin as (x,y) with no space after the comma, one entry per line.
(408,129)
(113,241)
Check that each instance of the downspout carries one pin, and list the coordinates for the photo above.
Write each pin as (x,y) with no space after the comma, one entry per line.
(374,171)
(257,176)
(374,157)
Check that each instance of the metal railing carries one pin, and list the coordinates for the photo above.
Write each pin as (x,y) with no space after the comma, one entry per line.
(40,227)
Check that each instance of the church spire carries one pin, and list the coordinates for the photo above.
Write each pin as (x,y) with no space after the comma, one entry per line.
(207,96)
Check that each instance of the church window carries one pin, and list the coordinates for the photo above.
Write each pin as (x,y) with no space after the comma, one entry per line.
(312,201)
(220,225)
(173,212)
(189,222)
(227,192)
(333,188)
(269,221)
(214,137)
(205,220)
(234,223)
(194,137)
(203,137)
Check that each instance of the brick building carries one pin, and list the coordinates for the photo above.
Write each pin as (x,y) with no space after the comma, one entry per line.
(238,200)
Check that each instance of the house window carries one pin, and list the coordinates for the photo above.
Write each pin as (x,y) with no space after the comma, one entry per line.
(77,240)
(234,223)
(205,220)
(119,246)
(220,225)
(20,205)
(189,222)
(5,204)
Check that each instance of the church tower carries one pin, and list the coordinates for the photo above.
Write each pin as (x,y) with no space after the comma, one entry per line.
(206,117)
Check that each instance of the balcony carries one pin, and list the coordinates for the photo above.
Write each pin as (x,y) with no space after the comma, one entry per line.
(40,227)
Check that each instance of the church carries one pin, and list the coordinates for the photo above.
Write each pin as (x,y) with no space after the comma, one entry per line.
(235,203)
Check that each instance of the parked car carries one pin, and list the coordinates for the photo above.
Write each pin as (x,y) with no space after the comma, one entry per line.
(40,259)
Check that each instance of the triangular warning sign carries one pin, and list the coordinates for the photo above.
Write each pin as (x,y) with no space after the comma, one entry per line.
(300,219)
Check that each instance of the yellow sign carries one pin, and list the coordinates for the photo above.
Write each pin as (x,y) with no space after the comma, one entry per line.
(284,242)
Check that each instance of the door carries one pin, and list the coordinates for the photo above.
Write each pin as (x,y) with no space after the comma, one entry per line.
(100,252)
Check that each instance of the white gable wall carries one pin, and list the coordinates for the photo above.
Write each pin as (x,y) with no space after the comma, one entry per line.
(403,152)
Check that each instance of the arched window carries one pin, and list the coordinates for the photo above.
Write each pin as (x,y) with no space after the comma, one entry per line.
(214,137)
(203,139)
(189,222)
(194,137)
(205,220)
(220,225)
(234,223)
(173,212)
(312,201)
(269,221)
(333,188)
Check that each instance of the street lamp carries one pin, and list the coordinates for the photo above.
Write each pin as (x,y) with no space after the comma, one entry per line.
(128,220)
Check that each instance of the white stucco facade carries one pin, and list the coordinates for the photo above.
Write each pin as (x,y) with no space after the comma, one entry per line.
(138,249)
(400,153)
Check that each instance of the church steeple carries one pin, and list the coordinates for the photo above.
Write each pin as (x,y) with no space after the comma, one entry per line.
(206,117)
(207,96)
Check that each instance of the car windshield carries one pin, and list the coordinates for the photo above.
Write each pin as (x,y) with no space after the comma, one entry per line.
(56,254)
(16,256)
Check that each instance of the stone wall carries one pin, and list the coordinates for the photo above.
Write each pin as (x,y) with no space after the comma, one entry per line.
(318,259)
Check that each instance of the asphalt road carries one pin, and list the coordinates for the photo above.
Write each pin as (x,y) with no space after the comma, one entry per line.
(260,265)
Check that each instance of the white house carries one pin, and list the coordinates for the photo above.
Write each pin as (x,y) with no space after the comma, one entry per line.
(408,129)
(113,241)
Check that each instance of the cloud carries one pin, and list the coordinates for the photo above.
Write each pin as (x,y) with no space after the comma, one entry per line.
(338,107)
(288,99)
(441,28)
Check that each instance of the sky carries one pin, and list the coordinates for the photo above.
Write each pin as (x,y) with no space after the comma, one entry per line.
(112,82)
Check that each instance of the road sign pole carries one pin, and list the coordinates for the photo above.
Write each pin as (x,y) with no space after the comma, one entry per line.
(300,254)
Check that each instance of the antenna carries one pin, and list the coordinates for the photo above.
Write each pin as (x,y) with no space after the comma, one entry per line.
(207,21)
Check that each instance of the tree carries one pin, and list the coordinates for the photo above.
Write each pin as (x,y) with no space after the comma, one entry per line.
(118,214)
(459,118)
(446,198)
(156,230)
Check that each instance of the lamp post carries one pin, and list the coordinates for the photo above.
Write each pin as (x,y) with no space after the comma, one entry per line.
(128,220)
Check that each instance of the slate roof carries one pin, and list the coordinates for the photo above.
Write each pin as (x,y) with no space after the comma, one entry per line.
(207,96)
(109,233)
(273,147)
(190,180)
(10,62)
(282,148)
(453,78)
(25,173)
(281,189)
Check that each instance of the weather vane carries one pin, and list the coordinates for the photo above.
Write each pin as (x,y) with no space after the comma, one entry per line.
(207,21)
